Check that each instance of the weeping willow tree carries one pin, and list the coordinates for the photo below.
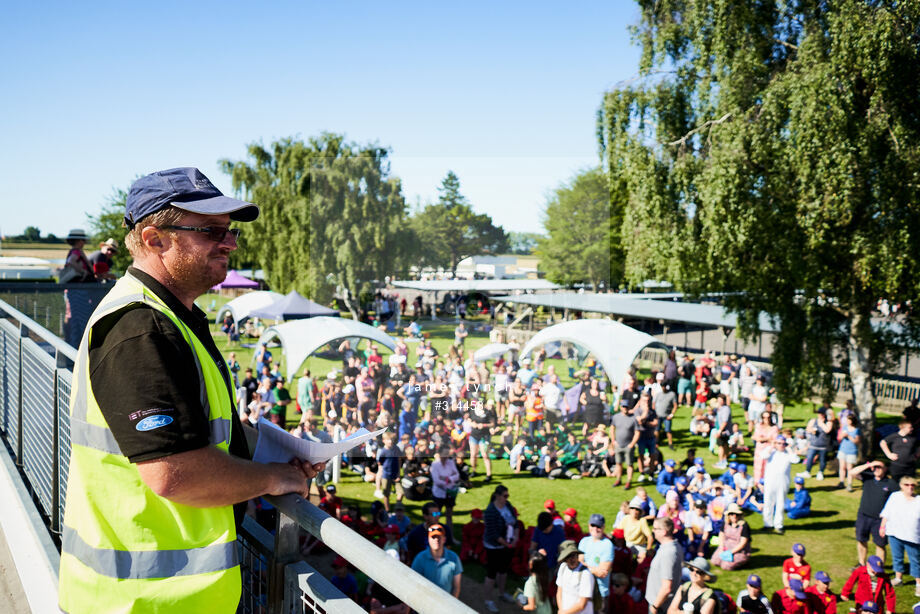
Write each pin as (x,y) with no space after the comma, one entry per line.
(332,216)
(772,148)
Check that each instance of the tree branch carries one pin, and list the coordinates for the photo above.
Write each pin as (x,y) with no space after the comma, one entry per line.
(712,122)
(785,44)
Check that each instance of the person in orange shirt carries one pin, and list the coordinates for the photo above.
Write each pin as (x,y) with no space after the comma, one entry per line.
(796,567)
(823,600)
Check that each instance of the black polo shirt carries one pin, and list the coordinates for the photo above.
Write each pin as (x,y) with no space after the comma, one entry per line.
(140,366)
(875,493)
(905,446)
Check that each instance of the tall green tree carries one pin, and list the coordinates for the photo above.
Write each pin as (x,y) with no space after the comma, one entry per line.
(577,246)
(109,224)
(32,233)
(523,243)
(332,215)
(772,148)
(449,231)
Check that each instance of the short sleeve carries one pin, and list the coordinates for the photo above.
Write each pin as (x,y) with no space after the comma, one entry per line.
(141,366)
(586,584)
(530,588)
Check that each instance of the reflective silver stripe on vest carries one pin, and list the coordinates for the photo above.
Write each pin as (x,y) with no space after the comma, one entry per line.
(92,436)
(150,564)
(220,431)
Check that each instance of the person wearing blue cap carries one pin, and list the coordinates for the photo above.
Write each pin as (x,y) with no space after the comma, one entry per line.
(752,600)
(800,504)
(796,566)
(666,477)
(153,423)
(823,601)
(597,553)
(791,600)
(869,582)
(776,484)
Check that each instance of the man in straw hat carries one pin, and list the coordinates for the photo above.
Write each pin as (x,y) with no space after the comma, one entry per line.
(101,259)
(575,582)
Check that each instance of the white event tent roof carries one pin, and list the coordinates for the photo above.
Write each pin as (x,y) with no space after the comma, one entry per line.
(477,285)
(300,338)
(613,344)
(644,309)
(245,304)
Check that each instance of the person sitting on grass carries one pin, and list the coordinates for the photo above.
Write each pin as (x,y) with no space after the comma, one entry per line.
(823,600)
(791,600)
(869,582)
(699,529)
(796,566)
(625,598)
(735,542)
(635,526)
(666,477)
(649,509)
(800,504)
(751,600)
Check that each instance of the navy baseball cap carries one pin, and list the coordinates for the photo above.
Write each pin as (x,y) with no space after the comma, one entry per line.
(597,520)
(870,606)
(875,563)
(186,188)
(682,480)
(670,463)
(733,466)
(796,585)
(754,580)
(798,549)
(699,461)
(822,576)
(799,479)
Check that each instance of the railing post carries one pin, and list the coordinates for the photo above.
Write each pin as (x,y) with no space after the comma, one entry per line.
(23,332)
(287,550)
(60,362)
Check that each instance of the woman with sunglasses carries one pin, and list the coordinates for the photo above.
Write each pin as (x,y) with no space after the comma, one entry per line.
(901,524)
(499,539)
(695,596)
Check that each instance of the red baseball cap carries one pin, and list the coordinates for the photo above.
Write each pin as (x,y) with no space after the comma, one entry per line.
(571,512)
(619,534)
(476,513)
(549,504)
(339,561)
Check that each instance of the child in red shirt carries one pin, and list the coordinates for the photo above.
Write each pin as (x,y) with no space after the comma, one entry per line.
(571,527)
(796,567)
(330,503)
(823,600)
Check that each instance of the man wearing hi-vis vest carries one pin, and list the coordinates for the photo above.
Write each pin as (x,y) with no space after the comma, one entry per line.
(159,458)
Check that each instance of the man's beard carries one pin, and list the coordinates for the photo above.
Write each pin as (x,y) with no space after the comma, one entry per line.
(195,275)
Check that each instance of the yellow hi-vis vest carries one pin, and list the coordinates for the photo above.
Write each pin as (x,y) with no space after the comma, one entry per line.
(124,548)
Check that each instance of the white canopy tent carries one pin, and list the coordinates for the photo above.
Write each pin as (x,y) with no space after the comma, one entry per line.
(613,344)
(242,306)
(300,338)
(490,351)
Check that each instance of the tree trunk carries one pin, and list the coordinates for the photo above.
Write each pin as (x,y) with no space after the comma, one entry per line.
(861,378)
(346,298)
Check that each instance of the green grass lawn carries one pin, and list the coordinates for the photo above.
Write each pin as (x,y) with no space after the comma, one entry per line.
(828,533)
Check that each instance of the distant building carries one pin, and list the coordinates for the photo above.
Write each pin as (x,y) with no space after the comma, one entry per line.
(498,267)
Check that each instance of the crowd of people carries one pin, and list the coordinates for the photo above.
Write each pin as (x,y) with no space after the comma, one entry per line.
(447,414)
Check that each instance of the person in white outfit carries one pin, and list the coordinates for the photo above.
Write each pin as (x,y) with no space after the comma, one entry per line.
(776,478)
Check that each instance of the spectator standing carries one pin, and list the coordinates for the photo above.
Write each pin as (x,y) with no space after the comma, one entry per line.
(901,525)
(537,587)
(818,431)
(439,564)
(876,489)
(101,260)
(597,554)
(823,600)
(547,536)
(685,381)
(751,600)
(625,434)
(848,450)
(776,484)
(388,459)
(901,449)
(445,482)
(306,396)
(665,403)
(869,582)
(575,584)
(664,573)
(460,335)
(765,433)
(499,538)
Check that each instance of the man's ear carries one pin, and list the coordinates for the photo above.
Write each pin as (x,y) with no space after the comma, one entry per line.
(153,239)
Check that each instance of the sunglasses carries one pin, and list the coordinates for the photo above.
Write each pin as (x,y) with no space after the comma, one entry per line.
(215,233)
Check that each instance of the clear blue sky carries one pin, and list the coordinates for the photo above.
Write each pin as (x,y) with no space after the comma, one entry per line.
(504,94)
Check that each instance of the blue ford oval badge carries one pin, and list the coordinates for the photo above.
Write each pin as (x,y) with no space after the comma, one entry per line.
(153,422)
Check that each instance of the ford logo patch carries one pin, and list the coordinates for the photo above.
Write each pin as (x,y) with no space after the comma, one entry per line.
(153,422)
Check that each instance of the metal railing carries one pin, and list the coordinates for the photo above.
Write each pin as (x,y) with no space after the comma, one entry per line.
(36,368)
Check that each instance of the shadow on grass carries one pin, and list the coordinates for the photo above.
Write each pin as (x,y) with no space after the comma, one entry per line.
(766,560)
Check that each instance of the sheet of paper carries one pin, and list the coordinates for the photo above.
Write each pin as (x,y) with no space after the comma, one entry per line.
(276,445)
